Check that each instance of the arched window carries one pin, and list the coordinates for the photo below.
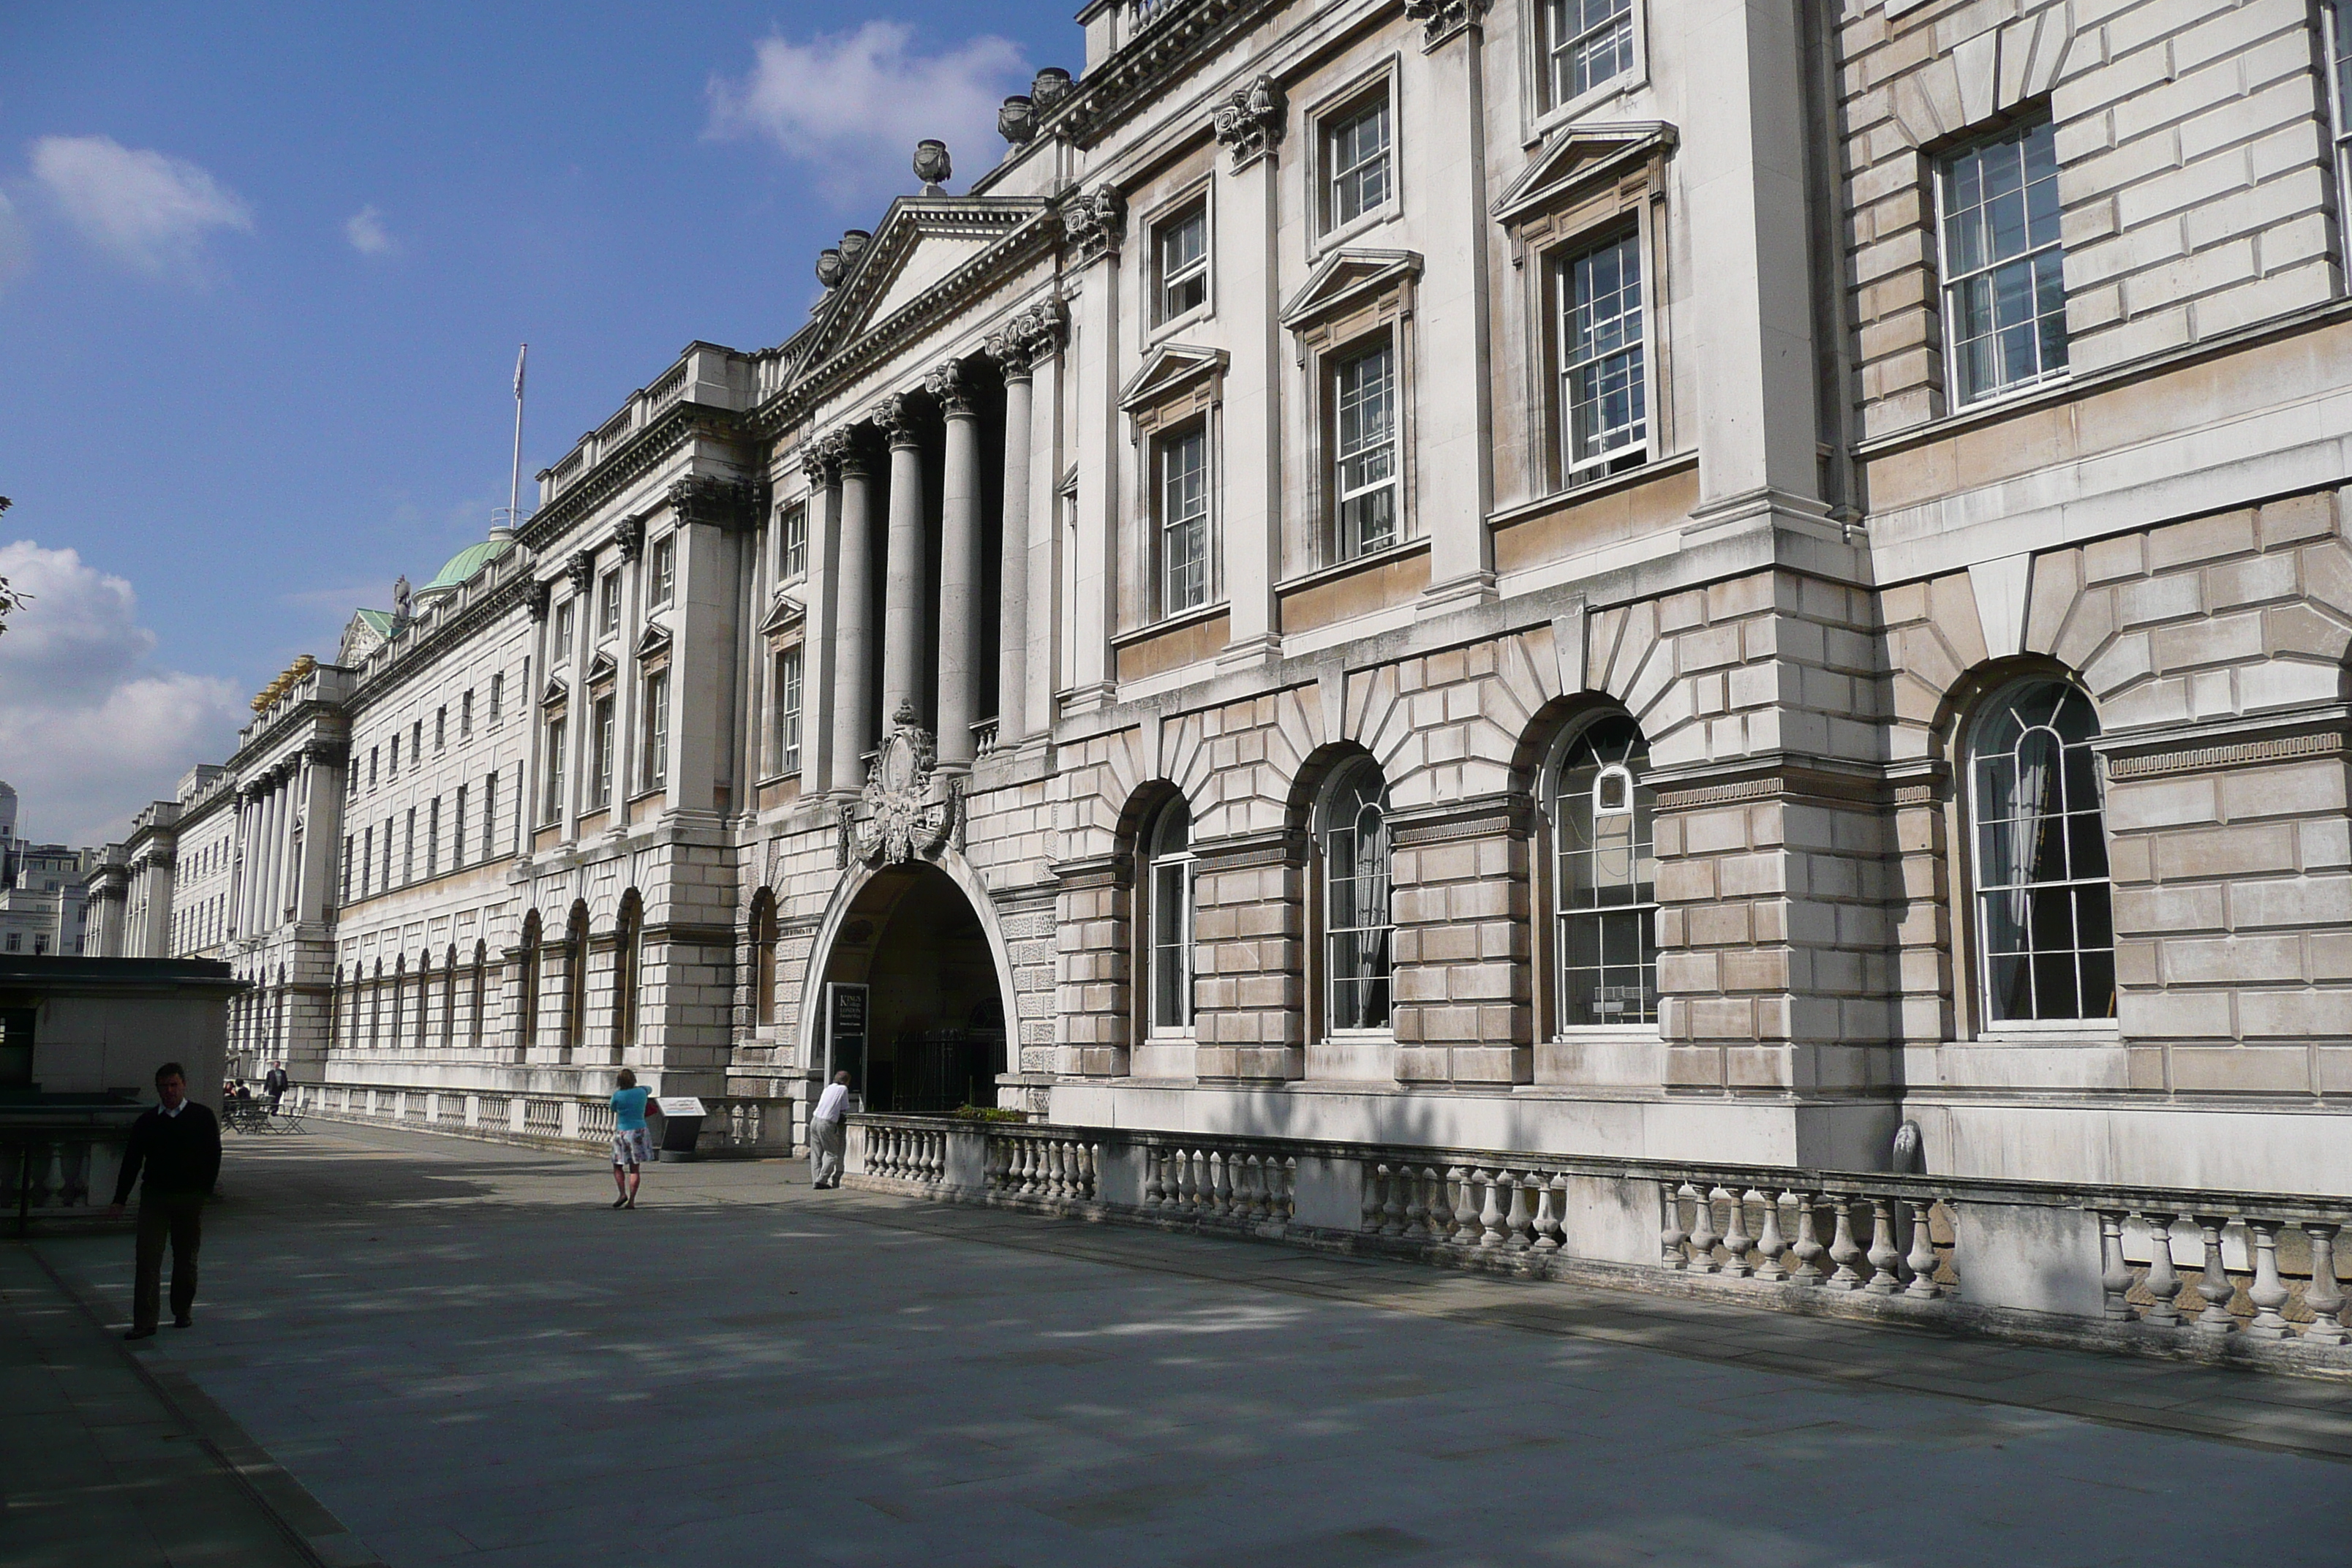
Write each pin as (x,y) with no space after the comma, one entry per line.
(1604,883)
(1168,915)
(624,973)
(449,997)
(527,990)
(2044,929)
(576,980)
(1353,835)
(763,957)
(473,1017)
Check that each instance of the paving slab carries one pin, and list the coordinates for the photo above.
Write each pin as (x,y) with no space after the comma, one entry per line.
(470,1359)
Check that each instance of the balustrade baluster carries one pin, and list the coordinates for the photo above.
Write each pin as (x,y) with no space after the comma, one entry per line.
(1221,1173)
(2163,1280)
(1550,1198)
(1884,1281)
(1392,1203)
(1257,1168)
(1703,1235)
(1770,1245)
(2268,1292)
(2114,1274)
(1093,1177)
(1288,1208)
(1736,1239)
(1467,1228)
(1922,1258)
(1490,1214)
(1520,1221)
(1442,1182)
(2213,1280)
(1671,1236)
(1842,1251)
(1416,1206)
(1189,1180)
(1155,1191)
(2323,1295)
(1376,1179)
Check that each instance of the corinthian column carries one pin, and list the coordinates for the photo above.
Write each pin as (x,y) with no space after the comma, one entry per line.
(853,600)
(902,581)
(1012,351)
(959,565)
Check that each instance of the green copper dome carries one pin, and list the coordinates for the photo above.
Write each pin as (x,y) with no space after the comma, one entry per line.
(466,565)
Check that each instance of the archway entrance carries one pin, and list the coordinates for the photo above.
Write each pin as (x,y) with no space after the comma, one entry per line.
(935,1016)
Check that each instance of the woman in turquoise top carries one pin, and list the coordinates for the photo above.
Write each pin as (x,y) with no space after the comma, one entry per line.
(631,1147)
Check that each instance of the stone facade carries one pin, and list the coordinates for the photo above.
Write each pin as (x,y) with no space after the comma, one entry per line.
(1563,522)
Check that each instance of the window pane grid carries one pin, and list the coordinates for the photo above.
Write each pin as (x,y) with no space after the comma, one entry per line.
(1358,155)
(1184,264)
(1604,378)
(792,545)
(1355,911)
(2043,900)
(1184,522)
(1605,900)
(1592,41)
(1365,421)
(788,712)
(2004,283)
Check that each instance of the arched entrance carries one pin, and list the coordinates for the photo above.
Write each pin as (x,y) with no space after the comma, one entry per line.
(935,1034)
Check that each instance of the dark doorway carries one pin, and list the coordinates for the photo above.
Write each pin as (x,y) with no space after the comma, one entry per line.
(935,1027)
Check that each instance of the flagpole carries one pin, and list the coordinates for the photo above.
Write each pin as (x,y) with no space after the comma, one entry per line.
(514,484)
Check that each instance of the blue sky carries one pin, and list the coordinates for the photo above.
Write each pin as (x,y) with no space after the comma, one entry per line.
(263,270)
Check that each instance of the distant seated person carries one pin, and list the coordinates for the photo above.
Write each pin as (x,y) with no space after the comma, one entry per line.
(244,1093)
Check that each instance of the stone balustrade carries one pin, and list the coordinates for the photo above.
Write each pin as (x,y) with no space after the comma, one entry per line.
(2204,1275)
(733,1127)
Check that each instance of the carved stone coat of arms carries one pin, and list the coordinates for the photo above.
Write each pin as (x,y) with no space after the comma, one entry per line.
(899,814)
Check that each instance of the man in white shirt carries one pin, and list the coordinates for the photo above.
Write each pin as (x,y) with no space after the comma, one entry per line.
(827,1140)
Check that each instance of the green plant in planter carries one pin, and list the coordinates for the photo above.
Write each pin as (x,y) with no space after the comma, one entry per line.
(986,1113)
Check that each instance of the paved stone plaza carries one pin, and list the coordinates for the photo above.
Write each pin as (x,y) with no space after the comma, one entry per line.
(461,1353)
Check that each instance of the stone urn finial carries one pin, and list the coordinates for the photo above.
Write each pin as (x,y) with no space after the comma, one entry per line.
(1049,87)
(853,242)
(932,165)
(1016,119)
(830,269)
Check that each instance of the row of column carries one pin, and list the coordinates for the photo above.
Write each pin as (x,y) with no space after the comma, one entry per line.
(838,466)
(280,873)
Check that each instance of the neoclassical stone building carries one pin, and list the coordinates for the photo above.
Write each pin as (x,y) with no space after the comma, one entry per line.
(1625,579)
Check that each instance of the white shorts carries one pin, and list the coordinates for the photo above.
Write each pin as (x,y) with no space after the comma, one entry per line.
(633,1147)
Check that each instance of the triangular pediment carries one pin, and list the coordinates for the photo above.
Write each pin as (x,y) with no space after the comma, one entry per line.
(654,640)
(367,631)
(924,244)
(1168,367)
(1343,278)
(555,695)
(786,613)
(1582,155)
(602,669)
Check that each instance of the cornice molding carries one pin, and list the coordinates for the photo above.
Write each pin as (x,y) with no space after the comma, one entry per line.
(1179,33)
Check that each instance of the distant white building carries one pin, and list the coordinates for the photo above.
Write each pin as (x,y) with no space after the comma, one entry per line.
(44,890)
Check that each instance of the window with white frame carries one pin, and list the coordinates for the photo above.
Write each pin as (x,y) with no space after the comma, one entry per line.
(792,542)
(1604,883)
(600,740)
(1586,44)
(788,710)
(661,571)
(466,713)
(2337,14)
(1183,459)
(2003,267)
(565,613)
(1168,890)
(1364,451)
(554,807)
(608,605)
(655,771)
(1603,368)
(497,694)
(2044,927)
(1356,923)
(1181,250)
(1359,175)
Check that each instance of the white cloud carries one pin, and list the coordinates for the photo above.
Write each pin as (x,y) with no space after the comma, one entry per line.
(16,253)
(853,105)
(90,730)
(147,210)
(364,228)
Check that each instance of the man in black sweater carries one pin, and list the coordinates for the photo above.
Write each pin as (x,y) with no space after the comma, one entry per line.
(178,1146)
